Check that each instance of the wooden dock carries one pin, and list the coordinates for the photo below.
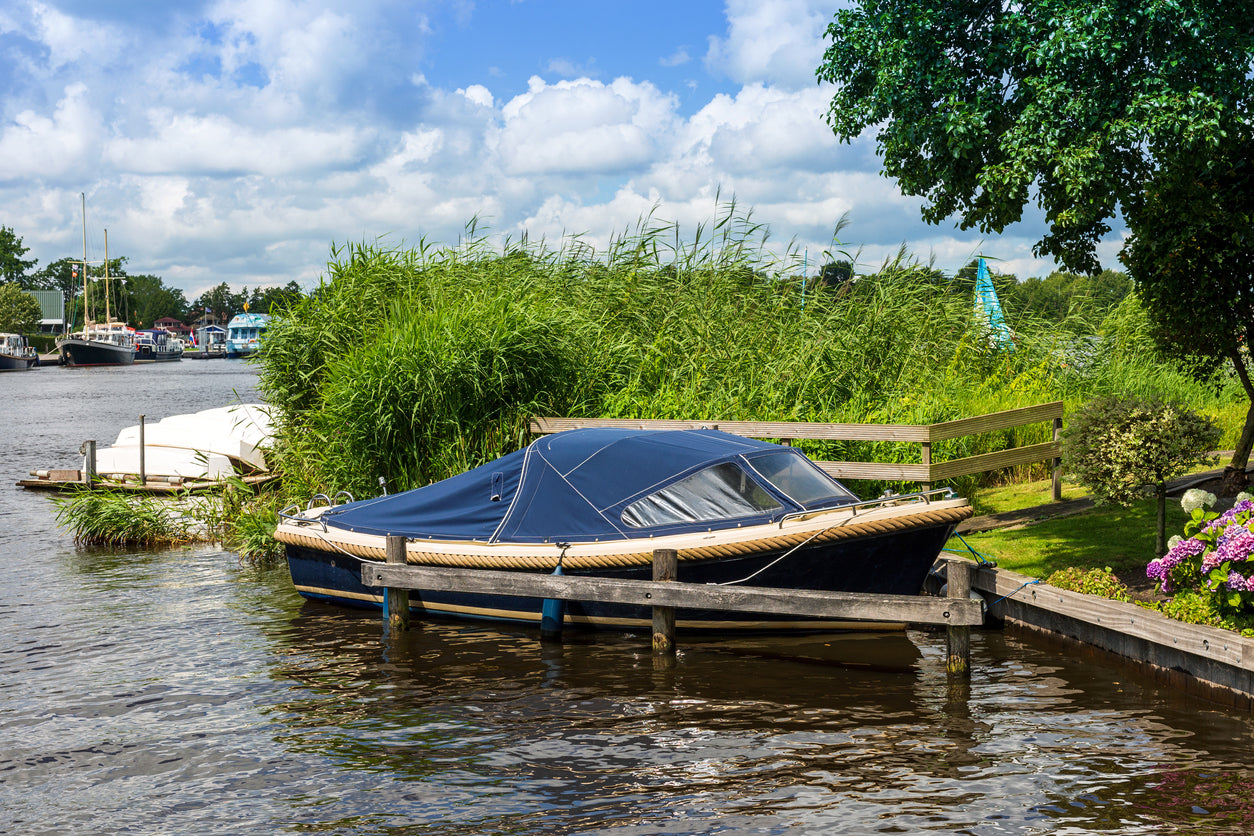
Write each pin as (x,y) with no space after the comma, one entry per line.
(73,479)
(958,615)
(1202,661)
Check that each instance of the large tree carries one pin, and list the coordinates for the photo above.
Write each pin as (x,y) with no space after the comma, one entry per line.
(1081,106)
(19,312)
(14,268)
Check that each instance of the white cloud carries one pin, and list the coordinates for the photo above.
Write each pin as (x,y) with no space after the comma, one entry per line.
(180,142)
(47,147)
(583,126)
(772,41)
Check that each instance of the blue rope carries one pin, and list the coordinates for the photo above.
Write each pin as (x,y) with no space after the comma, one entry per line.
(979,558)
(1012,592)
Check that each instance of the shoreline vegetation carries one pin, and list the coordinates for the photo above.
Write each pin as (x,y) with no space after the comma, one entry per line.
(410,364)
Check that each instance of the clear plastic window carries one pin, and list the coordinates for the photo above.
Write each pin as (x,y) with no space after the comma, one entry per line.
(796,477)
(721,492)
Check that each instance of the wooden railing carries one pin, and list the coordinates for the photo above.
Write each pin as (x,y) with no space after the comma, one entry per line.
(925,435)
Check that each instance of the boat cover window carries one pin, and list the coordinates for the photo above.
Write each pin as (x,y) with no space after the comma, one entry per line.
(723,491)
(797,478)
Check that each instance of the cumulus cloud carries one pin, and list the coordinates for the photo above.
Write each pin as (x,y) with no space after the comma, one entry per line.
(60,144)
(238,145)
(775,42)
(582,126)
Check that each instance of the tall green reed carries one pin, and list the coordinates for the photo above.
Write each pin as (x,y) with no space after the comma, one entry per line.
(414,363)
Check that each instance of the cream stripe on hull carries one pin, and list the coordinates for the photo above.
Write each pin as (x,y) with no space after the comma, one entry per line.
(816,528)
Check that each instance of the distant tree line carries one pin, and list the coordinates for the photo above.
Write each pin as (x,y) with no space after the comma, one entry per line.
(139,299)
(1052,298)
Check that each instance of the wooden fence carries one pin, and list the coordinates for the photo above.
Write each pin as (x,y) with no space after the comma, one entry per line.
(925,435)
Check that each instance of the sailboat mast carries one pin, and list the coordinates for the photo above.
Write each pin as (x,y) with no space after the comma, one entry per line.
(108,313)
(86,315)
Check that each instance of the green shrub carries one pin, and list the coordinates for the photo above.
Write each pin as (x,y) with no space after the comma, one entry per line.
(1100,582)
(1117,447)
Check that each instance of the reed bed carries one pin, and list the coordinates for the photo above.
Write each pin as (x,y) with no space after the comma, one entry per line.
(412,363)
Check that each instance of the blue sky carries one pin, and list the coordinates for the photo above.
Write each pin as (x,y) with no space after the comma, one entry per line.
(237,140)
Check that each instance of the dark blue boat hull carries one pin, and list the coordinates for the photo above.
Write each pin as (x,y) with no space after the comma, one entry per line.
(896,564)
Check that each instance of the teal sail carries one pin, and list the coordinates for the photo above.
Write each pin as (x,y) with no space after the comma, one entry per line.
(988,309)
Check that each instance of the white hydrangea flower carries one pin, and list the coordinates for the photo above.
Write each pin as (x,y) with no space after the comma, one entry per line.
(1244,497)
(1175,540)
(1195,498)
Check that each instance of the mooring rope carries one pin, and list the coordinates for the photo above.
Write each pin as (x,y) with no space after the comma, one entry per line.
(791,542)
(1021,586)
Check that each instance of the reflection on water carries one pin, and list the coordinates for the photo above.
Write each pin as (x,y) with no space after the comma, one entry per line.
(179,691)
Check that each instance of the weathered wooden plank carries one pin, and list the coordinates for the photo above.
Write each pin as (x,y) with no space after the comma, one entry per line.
(995,460)
(913,609)
(876,470)
(1125,619)
(995,421)
(826,432)
(750,429)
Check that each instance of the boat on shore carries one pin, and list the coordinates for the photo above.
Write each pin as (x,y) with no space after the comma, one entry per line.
(199,450)
(598,502)
(15,354)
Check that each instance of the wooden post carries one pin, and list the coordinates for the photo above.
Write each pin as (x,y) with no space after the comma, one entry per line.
(143,476)
(927,462)
(958,637)
(552,614)
(1057,462)
(89,466)
(665,566)
(396,601)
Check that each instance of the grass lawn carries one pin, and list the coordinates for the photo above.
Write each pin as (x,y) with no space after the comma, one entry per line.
(1121,539)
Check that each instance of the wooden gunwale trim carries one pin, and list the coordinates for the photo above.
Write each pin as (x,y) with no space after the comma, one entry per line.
(315,538)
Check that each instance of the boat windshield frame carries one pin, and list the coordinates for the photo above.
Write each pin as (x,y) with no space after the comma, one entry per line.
(803,482)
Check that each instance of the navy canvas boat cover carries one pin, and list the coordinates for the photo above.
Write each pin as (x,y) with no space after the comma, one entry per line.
(604,484)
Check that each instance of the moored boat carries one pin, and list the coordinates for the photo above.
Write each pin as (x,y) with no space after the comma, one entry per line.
(244,333)
(99,344)
(157,344)
(107,343)
(598,502)
(15,354)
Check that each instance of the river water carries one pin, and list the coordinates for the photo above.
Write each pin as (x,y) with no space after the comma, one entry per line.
(180,691)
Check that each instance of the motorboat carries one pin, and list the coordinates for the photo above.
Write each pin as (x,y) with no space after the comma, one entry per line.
(599,502)
(157,344)
(15,354)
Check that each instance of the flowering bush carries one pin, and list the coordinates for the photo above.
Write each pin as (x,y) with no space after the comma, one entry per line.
(1215,555)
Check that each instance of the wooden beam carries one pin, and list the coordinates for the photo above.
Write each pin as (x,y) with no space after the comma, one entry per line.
(396,599)
(995,460)
(665,567)
(958,636)
(913,609)
(749,429)
(995,421)
(876,470)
